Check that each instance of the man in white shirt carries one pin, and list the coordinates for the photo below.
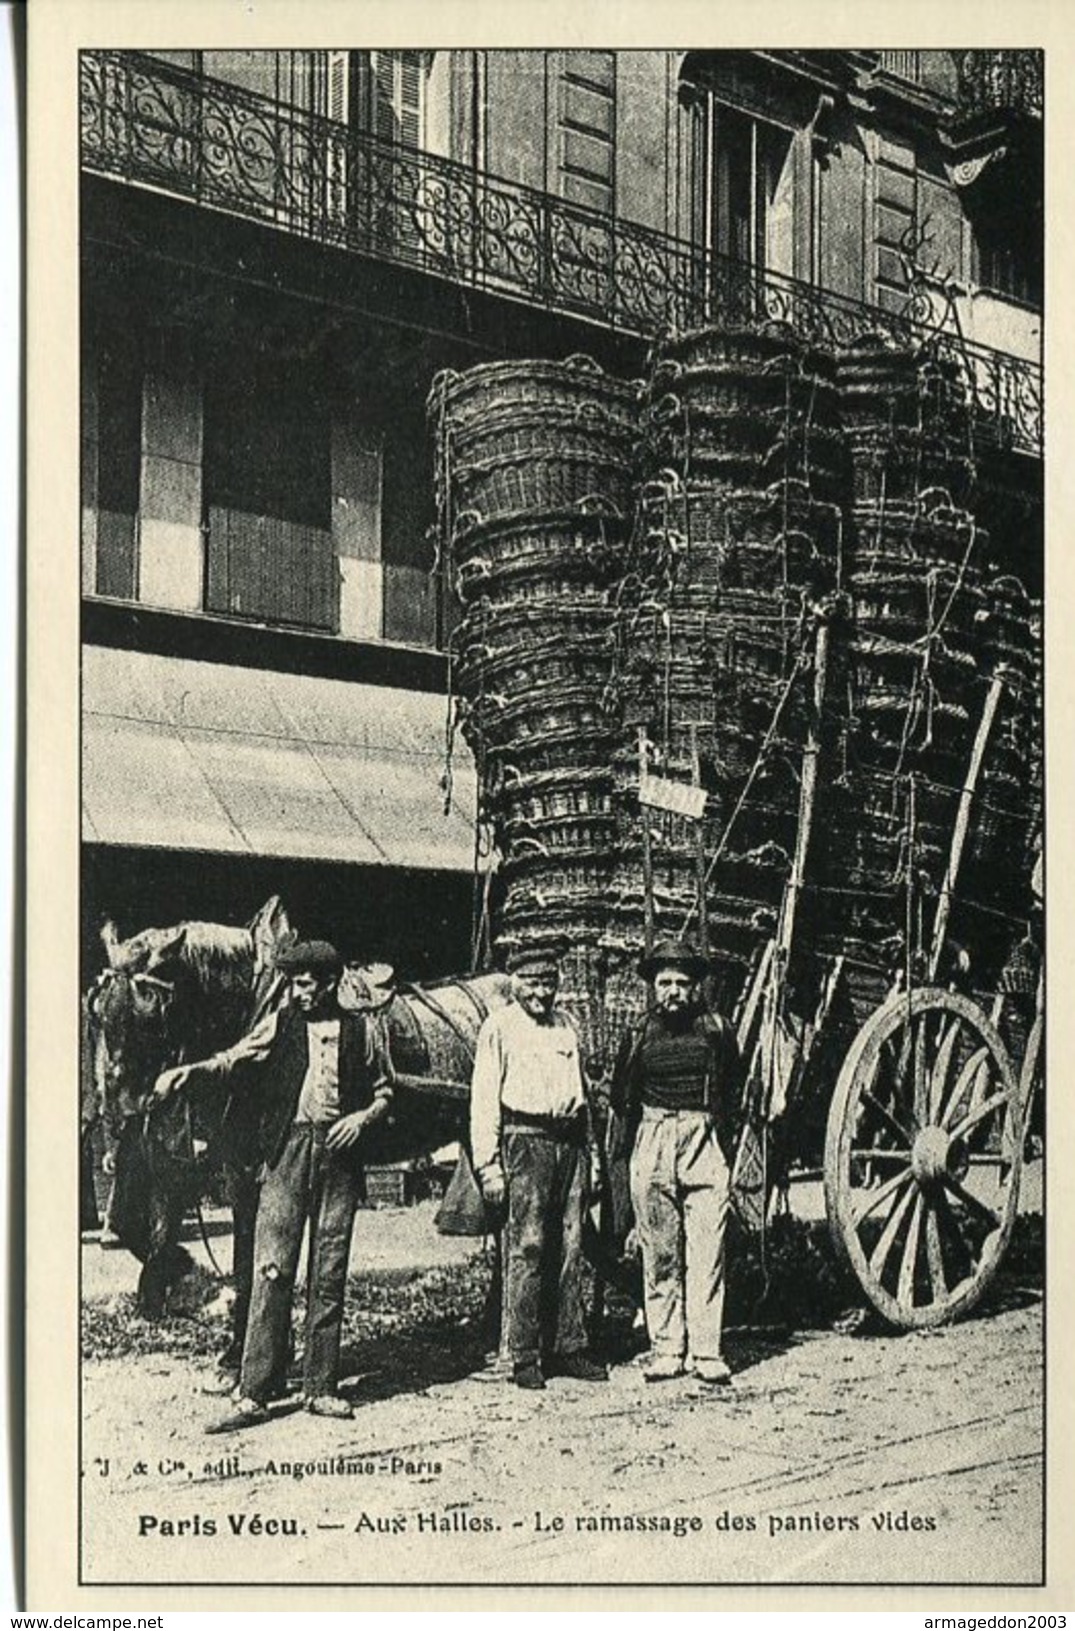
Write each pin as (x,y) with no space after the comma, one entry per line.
(321,1078)
(528,1125)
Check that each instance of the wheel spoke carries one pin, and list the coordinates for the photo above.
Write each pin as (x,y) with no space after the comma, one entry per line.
(971,1072)
(971,1202)
(880,1194)
(964,1265)
(873,1154)
(899,1065)
(920,1100)
(879,1255)
(905,1291)
(985,1108)
(934,1256)
(887,1117)
(942,1065)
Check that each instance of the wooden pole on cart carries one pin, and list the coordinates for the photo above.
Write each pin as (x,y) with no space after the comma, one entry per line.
(699,851)
(647,847)
(763,1003)
(807,799)
(959,833)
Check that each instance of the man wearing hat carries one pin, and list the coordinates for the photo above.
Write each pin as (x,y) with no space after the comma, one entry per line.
(677,1085)
(322,1079)
(529,1139)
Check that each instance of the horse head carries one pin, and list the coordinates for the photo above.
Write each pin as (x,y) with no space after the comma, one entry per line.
(133,1012)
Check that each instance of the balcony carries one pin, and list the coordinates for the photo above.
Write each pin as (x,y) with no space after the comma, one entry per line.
(152,125)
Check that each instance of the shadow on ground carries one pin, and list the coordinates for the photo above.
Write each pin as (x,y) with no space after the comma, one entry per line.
(409,1329)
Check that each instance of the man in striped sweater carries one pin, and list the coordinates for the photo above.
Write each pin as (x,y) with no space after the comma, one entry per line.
(677,1086)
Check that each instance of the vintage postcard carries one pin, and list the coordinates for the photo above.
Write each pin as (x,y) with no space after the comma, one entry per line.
(545,603)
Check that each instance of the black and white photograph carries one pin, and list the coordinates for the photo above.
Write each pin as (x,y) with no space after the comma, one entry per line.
(562,877)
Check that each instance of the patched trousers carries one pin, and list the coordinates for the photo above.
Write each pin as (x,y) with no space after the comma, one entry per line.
(680,1189)
(308,1182)
(543,1302)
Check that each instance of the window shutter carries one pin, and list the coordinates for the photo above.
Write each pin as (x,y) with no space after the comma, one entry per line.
(398,83)
(337,98)
(410,98)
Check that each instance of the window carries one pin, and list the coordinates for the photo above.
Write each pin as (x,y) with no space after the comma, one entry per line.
(750,203)
(118,472)
(1008,257)
(267,483)
(397,99)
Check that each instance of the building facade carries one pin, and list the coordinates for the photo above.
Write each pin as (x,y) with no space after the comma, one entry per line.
(281,250)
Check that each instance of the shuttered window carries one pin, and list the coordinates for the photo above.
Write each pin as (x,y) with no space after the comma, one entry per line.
(119,437)
(398,102)
(338,74)
(268,503)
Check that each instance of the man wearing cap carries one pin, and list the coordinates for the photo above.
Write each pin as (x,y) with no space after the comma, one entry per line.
(529,1130)
(678,1082)
(322,1079)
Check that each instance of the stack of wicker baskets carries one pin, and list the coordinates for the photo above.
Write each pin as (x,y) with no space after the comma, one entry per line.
(736,543)
(930,628)
(664,576)
(534,481)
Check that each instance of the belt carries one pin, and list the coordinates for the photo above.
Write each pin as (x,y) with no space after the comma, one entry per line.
(556,1126)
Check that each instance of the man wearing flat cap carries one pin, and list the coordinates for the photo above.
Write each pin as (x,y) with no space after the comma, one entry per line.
(677,1086)
(322,1078)
(529,1139)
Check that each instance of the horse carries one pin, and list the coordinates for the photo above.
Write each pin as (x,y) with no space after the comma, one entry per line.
(168,996)
(174,995)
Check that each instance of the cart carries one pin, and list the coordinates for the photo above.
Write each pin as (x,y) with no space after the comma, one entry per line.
(927,1124)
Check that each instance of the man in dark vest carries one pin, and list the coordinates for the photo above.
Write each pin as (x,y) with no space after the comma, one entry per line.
(677,1088)
(322,1079)
(529,1131)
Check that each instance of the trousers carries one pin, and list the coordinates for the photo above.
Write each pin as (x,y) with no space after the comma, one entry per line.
(545,1174)
(680,1192)
(310,1183)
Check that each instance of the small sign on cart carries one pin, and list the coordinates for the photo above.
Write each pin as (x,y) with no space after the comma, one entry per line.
(679,797)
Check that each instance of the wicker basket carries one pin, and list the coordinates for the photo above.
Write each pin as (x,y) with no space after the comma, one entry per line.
(509,484)
(506,388)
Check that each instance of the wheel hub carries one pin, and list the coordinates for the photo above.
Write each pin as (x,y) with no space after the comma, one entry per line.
(935,1156)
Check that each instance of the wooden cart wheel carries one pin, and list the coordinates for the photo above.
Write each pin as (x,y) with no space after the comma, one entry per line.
(923,1155)
(1031,1076)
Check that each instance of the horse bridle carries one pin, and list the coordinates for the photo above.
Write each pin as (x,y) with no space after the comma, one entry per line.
(186,1157)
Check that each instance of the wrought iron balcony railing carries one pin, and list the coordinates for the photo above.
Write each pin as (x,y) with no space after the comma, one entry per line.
(158,126)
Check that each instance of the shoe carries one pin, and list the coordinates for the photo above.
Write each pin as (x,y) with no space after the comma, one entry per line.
(244,1413)
(713,1371)
(528,1376)
(580,1367)
(330,1404)
(663,1368)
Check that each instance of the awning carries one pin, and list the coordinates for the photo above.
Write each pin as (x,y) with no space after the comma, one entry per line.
(202,756)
